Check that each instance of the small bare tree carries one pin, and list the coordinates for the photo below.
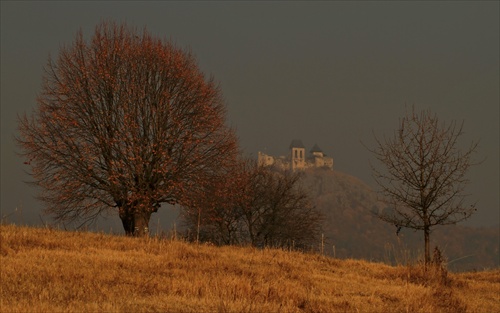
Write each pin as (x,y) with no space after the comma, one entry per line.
(256,205)
(213,212)
(424,174)
(124,122)
(281,212)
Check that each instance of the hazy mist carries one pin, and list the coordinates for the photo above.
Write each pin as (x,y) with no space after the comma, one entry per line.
(331,73)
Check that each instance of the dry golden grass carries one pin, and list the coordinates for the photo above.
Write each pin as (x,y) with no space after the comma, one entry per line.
(45,270)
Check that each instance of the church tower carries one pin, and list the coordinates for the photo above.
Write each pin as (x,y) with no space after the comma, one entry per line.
(298,157)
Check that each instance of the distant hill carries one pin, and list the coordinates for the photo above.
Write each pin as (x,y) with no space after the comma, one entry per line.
(348,204)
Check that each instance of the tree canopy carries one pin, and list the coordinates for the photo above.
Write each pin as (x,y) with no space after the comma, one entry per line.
(125,121)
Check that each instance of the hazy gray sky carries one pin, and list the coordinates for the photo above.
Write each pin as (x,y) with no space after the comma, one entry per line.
(330,73)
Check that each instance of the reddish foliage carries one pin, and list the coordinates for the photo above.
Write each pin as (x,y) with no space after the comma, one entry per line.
(124,121)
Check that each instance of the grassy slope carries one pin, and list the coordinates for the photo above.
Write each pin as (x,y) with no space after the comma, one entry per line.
(48,270)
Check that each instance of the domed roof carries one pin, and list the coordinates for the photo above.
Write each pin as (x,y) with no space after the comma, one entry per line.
(316,148)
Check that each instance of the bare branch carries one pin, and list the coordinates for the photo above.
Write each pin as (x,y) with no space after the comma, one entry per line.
(423,174)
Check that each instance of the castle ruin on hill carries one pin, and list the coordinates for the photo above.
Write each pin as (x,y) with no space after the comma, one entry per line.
(297,159)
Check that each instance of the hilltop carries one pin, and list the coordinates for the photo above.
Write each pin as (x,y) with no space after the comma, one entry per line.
(348,204)
(50,270)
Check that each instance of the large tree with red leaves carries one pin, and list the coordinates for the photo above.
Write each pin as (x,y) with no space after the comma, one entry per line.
(124,122)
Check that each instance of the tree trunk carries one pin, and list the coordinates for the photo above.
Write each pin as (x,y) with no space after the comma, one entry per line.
(427,246)
(250,229)
(198,227)
(135,223)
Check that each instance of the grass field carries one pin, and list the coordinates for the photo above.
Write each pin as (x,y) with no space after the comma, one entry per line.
(44,270)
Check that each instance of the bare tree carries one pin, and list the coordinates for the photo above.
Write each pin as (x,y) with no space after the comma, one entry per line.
(424,174)
(213,213)
(281,212)
(256,205)
(124,122)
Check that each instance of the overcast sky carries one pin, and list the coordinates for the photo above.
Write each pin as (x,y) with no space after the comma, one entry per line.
(331,73)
